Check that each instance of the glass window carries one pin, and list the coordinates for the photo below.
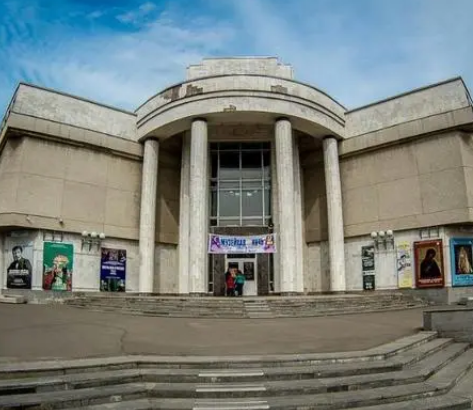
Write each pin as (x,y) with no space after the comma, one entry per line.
(267,202)
(252,222)
(251,164)
(252,203)
(229,167)
(266,164)
(229,203)
(229,222)
(253,184)
(214,156)
(240,184)
(214,202)
(226,185)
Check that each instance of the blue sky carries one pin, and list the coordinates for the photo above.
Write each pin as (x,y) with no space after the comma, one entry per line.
(121,52)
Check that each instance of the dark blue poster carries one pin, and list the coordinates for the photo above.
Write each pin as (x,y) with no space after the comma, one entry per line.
(461,257)
(113,270)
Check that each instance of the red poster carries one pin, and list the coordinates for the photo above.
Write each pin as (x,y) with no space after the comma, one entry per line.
(429,264)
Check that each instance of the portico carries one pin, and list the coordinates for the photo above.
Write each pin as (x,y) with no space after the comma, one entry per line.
(235,124)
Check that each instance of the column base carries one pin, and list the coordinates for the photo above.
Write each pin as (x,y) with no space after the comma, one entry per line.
(291,294)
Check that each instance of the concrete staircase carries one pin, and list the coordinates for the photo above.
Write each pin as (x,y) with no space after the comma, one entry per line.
(420,372)
(261,307)
(258,309)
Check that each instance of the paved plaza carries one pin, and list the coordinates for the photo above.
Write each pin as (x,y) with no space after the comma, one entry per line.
(30,332)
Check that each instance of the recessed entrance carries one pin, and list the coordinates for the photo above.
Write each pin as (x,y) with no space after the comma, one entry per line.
(247,264)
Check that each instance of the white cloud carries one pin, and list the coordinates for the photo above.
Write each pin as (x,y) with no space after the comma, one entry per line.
(363,51)
(138,15)
(356,51)
(114,67)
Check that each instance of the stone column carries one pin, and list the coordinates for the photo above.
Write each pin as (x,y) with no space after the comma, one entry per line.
(184,216)
(275,218)
(335,215)
(298,223)
(198,204)
(149,184)
(287,234)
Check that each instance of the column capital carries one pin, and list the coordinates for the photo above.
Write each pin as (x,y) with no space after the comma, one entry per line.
(283,119)
(199,119)
(150,138)
(326,137)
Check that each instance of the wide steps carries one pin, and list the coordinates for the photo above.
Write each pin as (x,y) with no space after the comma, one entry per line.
(420,371)
(268,307)
(433,403)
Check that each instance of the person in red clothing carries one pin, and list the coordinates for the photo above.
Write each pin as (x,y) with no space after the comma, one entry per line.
(230,280)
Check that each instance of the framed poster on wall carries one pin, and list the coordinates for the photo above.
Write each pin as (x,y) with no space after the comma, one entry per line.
(113,270)
(461,260)
(19,263)
(429,264)
(58,262)
(404,265)
(368,267)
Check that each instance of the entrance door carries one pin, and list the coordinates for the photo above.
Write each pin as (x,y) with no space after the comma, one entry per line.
(246,264)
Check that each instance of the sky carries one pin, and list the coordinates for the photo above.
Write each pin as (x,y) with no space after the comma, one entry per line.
(120,52)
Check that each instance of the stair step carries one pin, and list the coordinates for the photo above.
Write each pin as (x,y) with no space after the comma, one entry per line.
(84,378)
(210,307)
(419,392)
(443,380)
(446,402)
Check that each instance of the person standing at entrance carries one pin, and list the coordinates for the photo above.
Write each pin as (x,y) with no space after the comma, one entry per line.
(239,283)
(230,280)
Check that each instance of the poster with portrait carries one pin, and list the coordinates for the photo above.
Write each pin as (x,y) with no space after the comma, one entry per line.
(19,261)
(461,258)
(58,263)
(404,265)
(113,270)
(429,264)
(368,267)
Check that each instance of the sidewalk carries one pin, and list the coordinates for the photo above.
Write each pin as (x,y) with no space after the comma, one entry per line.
(30,332)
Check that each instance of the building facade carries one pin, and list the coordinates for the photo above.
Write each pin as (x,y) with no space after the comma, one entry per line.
(98,199)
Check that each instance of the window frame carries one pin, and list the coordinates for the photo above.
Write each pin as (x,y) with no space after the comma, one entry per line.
(240,184)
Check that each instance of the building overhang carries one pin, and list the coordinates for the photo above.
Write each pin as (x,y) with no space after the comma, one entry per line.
(240,98)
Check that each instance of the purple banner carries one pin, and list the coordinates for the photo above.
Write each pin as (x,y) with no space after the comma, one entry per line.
(242,244)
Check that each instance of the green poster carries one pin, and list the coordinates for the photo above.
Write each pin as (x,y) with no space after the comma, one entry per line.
(58,262)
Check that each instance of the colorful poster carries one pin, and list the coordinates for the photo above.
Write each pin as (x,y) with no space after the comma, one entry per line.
(58,262)
(404,266)
(113,270)
(461,257)
(19,262)
(368,267)
(429,264)
(242,244)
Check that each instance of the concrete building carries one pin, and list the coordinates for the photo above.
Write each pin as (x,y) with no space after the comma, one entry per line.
(240,148)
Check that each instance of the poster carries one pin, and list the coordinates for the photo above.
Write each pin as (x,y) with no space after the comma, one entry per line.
(461,257)
(368,267)
(19,262)
(429,264)
(404,266)
(113,270)
(242,244)
(58,262)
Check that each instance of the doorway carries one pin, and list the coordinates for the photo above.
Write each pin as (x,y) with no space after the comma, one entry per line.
(247,264)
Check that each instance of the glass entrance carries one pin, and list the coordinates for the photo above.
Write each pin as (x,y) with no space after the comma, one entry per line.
(247,264)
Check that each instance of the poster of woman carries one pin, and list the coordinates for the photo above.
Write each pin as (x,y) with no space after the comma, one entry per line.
(429,264)
(58,262)
(404,266)
(461,256)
